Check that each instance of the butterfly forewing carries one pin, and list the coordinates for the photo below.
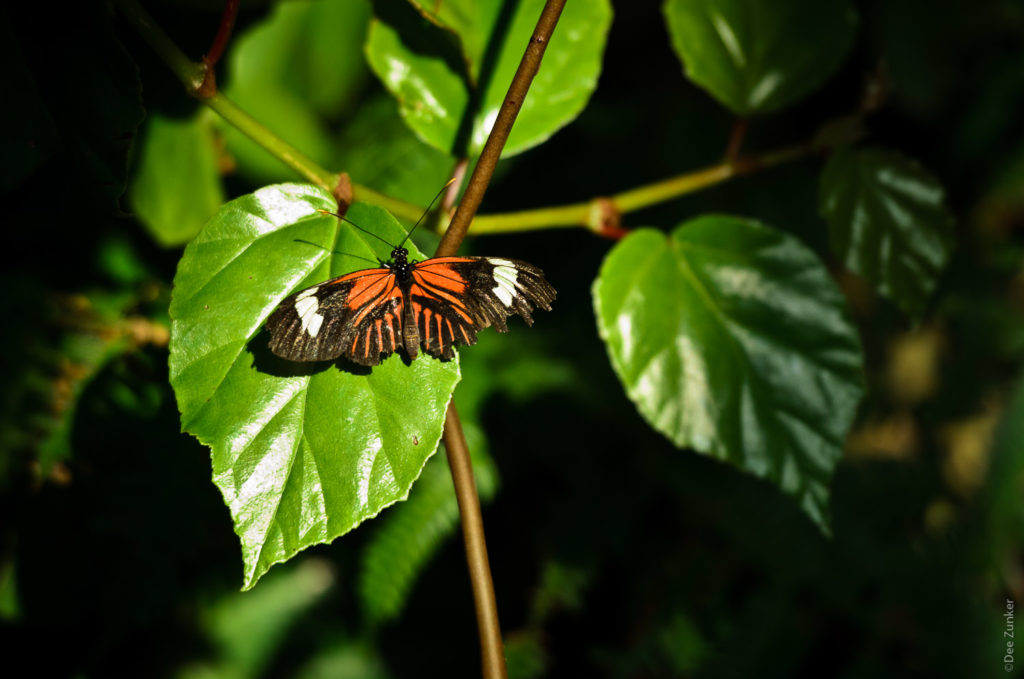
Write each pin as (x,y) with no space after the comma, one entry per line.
(324,321)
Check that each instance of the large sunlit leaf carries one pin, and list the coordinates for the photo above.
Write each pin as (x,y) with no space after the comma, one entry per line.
(450,71)
(296,71)
(888,221)
(731,339)
(302,453)
(176,187)
(756,56)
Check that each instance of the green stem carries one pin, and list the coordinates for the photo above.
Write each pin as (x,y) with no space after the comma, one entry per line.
(193,74)
(189,72)
(307,168)
(533,220)
(588,214)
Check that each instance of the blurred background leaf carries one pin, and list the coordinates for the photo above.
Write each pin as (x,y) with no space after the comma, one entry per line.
(299,72)
(888,221)
(755,57)
(177,159)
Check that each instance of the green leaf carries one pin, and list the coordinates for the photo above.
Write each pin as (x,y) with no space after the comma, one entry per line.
(888,221)
(177,186)
(731,339)
(378,150)
(295,72)
(422,59)
(247,629)
(756,56)
(302,453)
(411,534)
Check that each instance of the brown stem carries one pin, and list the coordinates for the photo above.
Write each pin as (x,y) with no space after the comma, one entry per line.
(739,131)
(227,22)
(491,650)
(493,654)
(208,88)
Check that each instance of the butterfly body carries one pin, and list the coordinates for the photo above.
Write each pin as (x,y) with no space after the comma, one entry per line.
(438,304)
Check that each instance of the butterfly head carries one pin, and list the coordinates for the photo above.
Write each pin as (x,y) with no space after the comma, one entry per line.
(399,257)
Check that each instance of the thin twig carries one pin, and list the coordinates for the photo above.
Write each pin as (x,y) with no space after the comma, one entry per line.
(491,649)
(227,22)
(732,149)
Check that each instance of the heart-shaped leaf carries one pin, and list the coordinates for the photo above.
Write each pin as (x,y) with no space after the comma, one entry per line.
(302,453)
(756,56)
(888,221)
(450,70)
(731,339)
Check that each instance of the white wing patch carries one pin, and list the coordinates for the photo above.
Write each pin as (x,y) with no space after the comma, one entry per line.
(306,306)
(505,276)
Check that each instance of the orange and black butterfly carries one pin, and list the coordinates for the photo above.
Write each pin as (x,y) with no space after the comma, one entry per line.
(439,303)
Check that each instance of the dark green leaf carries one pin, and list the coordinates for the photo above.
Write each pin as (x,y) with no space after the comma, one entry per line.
(177,187)
(731,339)
(453,109)
(758,56)
(302,453)
(314,50)
(888,221)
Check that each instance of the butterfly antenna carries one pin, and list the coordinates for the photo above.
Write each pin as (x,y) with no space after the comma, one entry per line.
(337,252)
(427,211)
(346,219)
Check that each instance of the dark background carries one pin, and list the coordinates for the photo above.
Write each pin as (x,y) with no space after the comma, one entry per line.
(614,554)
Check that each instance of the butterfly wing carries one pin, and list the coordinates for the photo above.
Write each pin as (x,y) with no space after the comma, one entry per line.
(358,316)
(452,298)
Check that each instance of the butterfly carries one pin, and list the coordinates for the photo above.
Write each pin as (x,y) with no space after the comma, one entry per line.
(437,303)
